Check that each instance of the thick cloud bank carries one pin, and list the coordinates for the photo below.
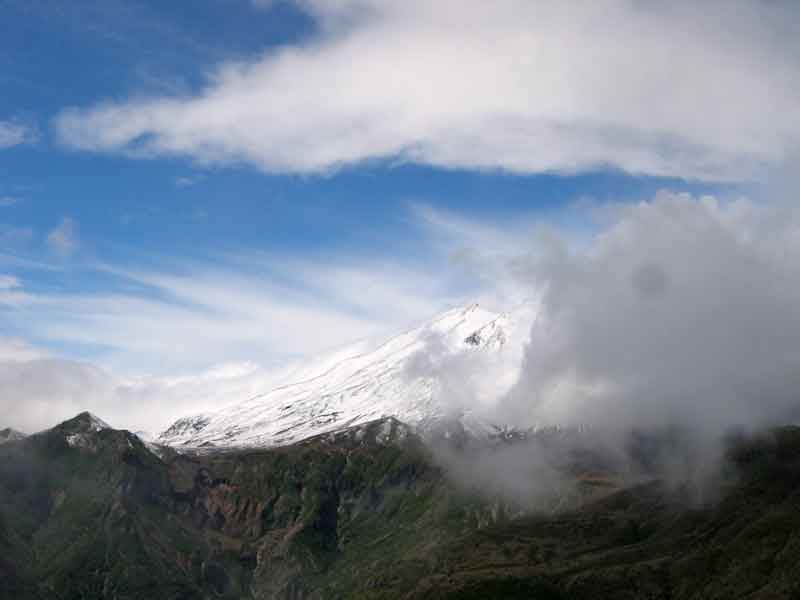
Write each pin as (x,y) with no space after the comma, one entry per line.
(707,90)
(682,312)
(37,391)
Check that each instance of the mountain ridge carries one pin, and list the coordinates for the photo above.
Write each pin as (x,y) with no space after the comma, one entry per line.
(367,513)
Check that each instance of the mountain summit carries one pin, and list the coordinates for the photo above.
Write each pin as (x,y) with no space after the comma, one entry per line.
(419,377)
(85,422)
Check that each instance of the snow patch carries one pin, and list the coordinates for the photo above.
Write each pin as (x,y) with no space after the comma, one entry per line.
(78,440)
(97,424)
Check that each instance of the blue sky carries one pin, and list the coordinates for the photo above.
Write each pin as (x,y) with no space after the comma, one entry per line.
(323,163)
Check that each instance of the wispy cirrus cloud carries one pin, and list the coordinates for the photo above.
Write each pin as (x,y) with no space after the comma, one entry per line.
(289,310)
(521,86)
(6,201)
(188,180)
(63,238)
(167,314)
(8,282)
(189,315)
(13,133)
(12,237)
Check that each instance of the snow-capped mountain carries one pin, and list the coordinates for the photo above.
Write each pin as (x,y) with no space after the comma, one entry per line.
(451,368)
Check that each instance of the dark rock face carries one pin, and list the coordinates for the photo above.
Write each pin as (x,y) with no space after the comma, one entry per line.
(474,339)
(94,513)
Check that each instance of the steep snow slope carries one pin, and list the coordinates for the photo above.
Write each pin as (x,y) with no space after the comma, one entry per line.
(449,368)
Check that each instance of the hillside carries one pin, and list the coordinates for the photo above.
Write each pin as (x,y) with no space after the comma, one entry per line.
(91,512)
(87,511)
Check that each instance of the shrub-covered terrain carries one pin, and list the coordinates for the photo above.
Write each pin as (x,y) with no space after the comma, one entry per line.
(89,513)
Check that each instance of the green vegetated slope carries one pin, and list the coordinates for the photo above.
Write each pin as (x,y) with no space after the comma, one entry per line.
(96,514)
(367,514)
(646,542)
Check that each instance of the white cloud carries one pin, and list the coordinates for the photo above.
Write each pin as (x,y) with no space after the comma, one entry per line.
(13,134)
(37,391)
(18,350)
(14,236)
(63,238)
(309,313)
(8,201)
(187,316)
(188,180)
(8,282)
(11,292)
(707,90)
(682,311)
